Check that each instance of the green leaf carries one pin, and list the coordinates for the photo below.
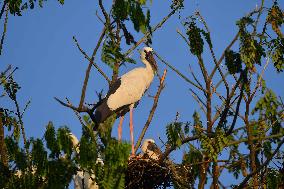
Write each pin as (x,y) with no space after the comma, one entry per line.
(233,62)
(51,140)
(195,40)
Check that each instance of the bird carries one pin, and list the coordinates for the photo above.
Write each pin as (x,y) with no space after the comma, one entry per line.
(126,92)
(151,150)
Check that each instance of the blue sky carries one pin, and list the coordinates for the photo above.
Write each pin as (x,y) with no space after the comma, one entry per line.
(40,44)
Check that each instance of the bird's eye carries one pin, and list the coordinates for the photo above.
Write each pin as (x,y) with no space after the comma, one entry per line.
(149,142)
(145,51)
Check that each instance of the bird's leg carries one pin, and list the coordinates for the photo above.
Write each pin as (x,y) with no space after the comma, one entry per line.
(120,128)
(131,129)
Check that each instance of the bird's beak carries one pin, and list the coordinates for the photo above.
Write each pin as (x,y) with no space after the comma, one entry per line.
(152,61)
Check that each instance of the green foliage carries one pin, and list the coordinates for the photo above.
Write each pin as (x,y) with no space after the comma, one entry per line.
(175,133)
(10,121)
(112,54)
(11,87)
(64,140)
(122,10)
(197,124)
(38,168)
(177,4)
(251,50)
(268,107)
(213,146)
(276,52)
(116,156)
(51,141)
(195,40)
(88,150)
(274,178)
(193,157)
(233,62)
(17,6)
(276,19)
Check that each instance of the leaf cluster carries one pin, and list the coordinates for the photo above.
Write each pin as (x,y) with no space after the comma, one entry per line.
(17,6)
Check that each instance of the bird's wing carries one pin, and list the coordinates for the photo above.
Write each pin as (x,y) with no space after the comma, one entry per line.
(114,87)
(154,148)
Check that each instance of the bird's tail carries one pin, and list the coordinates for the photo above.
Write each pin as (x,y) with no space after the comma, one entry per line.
(101,114)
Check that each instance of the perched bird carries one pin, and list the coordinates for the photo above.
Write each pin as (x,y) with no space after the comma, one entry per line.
(150,149)
(125,93)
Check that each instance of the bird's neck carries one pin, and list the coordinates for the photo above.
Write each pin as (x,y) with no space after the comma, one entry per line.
(148,66)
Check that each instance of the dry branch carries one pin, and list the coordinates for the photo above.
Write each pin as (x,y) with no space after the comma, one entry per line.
(153,109)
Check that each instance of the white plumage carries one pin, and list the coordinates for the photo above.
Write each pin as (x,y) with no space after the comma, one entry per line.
(127,91)
(150,149)
(133,85)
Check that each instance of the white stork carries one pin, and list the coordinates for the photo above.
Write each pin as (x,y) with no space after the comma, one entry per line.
(150,149)
(126,92)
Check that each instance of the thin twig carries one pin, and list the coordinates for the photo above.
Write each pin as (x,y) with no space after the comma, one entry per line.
(91,62)
(153,109)
(82,109)
(4,30)
(178,72)
(77,113)
(152,31)
(259,80)
(213,54)
(198,100)
(12,72)
(194,77)
(104,11)
(223,54)
(3,8)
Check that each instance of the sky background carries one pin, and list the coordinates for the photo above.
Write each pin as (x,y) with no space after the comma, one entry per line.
(50,65)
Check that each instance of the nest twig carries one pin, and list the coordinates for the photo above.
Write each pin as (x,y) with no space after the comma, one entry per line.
(145,173)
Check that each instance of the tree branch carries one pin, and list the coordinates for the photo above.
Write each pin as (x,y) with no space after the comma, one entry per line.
(91,62)
(3,8)
(150,117)
(223,54)
(4,30)
(149,33)
(179,73)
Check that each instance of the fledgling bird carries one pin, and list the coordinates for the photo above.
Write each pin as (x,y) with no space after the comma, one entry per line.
(125,93)
(150,149)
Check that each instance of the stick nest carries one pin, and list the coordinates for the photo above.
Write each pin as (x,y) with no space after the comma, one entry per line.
(145,173)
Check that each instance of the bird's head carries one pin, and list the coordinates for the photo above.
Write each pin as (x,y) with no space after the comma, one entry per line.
(146,54)
(146,143)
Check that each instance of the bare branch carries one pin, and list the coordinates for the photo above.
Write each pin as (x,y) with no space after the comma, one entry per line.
(104,11)
(199,101)
(149,33)
(259,80)
(195,78)
(77,113)
(200,61)
(4,30)
(81,109)
(213,55)
(3,8)
(150,117)
(223,54)
(179,73)
(91,62)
